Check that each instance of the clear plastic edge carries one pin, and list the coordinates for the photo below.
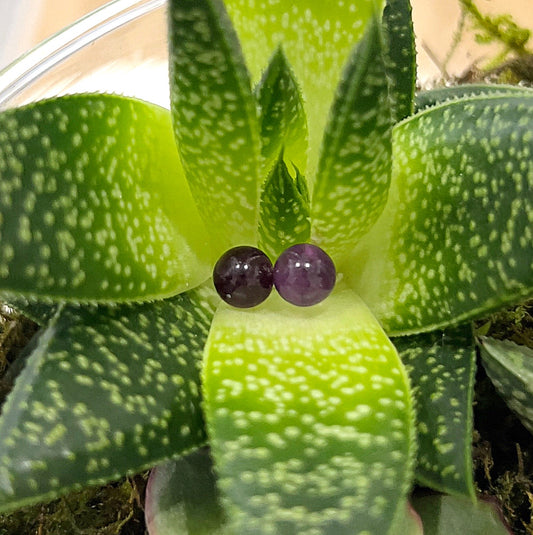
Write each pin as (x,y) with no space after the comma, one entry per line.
(26,69)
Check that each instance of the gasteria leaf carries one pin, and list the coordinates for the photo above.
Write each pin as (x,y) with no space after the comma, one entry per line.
(455,240)
(354,168)
(182,497)
(39,312)
(310,418)
(510,368)
(440,95)
(316,36)
(443,515)
(442,369)
(284,213)
(215,119)
(283,120)
(107,391)
(401,55)
(409,524)
(93,203)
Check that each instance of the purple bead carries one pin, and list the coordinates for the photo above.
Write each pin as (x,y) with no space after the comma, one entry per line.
(304,275)
(243,276)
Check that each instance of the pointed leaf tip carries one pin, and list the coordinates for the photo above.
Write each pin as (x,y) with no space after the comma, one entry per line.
(355,163)
(316,37)
(283,118)
(284,215)
(215,119)
(400,56)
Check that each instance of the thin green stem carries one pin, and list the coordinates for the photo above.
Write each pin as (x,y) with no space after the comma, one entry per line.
(500,28)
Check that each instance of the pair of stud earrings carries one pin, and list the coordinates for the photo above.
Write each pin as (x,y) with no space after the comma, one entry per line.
(303,275)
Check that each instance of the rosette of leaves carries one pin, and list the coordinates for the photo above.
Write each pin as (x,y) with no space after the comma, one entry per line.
(113,211)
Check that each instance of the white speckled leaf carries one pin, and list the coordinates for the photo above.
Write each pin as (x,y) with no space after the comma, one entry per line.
(510,368)
(440,95)
(105,392)
(442,366)
(354,169)
(401,55)
(215,119)
(39,312)
(182,497)
(316,36)
(283,120)
(284,214)
(455,240)
(93,203)
(310,418)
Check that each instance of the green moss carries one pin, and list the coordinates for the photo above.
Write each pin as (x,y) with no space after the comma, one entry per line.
(514,324)
(503,447)
(497,28)
(512,64)
(15,332)
(113,509)
(503,457)
(515,71)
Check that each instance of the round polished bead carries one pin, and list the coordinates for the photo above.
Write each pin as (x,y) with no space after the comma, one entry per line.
(243,276)
(304,275)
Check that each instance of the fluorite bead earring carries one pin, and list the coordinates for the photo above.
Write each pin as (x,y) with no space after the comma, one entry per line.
(304,275)
(243,276)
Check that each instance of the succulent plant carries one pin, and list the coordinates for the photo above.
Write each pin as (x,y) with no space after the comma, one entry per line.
(288,125)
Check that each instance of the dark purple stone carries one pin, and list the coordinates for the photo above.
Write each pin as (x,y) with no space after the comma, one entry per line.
(304,275)
(243,276)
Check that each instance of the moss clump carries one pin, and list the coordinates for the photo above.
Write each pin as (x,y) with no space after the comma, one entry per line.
(514,324)
(503,447)
(512,64)
(503,457)
(15,332)
(497,29)
(114,509)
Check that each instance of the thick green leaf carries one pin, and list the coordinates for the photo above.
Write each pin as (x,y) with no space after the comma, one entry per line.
(215,119)
(310,418)
(106,391)
(447,515)
(316,36)
(354,169)
(455,240)
(408,524)
(401,55)
(40,313)
(442,369)
(510,368)
(93,203)
(283,120)
(284,215)
(182,498)
(440,95)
